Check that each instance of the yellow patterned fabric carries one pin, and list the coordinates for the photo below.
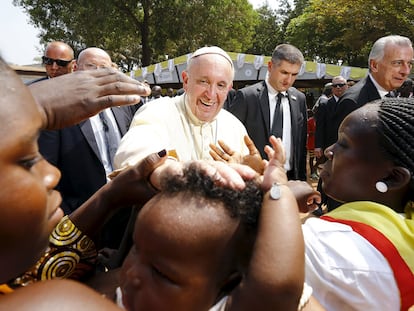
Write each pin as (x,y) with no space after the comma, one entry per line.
(70,254)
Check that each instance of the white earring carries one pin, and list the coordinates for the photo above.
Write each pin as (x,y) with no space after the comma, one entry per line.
(381,186)
(329,154)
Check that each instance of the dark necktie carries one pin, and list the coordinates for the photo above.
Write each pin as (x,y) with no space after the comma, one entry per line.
(277,126)
(112,138)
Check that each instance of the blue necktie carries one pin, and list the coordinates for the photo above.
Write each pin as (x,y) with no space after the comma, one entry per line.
(112,138)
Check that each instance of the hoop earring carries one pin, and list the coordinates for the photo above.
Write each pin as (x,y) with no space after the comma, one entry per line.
(381,186)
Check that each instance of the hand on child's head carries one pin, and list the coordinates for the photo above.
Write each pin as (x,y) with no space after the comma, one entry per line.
(230,175)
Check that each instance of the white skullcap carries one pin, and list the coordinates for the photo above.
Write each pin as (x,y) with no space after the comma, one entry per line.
(212,50)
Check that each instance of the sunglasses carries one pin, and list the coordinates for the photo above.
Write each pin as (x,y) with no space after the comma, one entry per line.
(339,85)
(59,62)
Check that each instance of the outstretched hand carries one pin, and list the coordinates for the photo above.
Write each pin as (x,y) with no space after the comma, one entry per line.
(71,98)
(131,185)
(274,171)
(225,154)
(306,197)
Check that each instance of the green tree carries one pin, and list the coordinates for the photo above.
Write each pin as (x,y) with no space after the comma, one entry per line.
(140,32)
(268,31)
(342,29)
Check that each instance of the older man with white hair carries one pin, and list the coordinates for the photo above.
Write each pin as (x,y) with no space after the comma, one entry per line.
(186,125)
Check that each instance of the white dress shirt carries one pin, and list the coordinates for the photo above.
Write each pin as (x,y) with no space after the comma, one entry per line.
(287,122)
(99,134)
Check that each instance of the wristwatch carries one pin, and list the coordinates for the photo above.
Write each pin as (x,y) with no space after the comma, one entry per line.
(274,192)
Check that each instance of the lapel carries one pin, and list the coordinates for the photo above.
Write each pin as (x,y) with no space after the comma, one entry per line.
(294,112)
(87,131)
(264,107)
(331,105)
(120,117)
(372,92)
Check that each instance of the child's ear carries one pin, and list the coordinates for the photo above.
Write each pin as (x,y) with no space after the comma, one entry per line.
(400,177)
(229,284)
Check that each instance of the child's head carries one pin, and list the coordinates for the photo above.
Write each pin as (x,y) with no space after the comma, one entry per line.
(29,205)
(192,243)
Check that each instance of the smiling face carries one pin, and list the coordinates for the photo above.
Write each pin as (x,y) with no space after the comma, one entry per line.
(29,205)
(206,82)
(180,257)
(393,69)
(282,75)
(357,162)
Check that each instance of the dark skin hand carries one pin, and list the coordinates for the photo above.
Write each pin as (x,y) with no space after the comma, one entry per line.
(226,154)
(71,98)
(306,197)
(129,187)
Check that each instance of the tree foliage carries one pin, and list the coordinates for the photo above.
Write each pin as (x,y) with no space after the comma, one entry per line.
(342,29)
(268,31)
(139,32)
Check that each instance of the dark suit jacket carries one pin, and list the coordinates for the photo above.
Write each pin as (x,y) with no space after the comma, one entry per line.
(326,134)
(251,106)
(36,80)
(355,97)
(75,152)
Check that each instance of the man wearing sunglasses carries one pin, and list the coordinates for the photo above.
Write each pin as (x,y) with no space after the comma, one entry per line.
(84,152)
(326,130)
(325,134)
(58,60)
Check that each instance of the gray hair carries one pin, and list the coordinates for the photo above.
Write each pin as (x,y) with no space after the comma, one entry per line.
(287,52)
(377,50)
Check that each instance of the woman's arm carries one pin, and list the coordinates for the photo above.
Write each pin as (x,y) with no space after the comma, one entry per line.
(276,272)
(130,187)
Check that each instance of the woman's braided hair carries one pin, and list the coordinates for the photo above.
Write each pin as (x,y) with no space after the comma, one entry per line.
(396,131)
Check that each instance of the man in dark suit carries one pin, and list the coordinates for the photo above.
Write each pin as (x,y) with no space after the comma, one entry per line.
(275,107)
(58,60)
(326,133)
(389,63)
(82,153)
